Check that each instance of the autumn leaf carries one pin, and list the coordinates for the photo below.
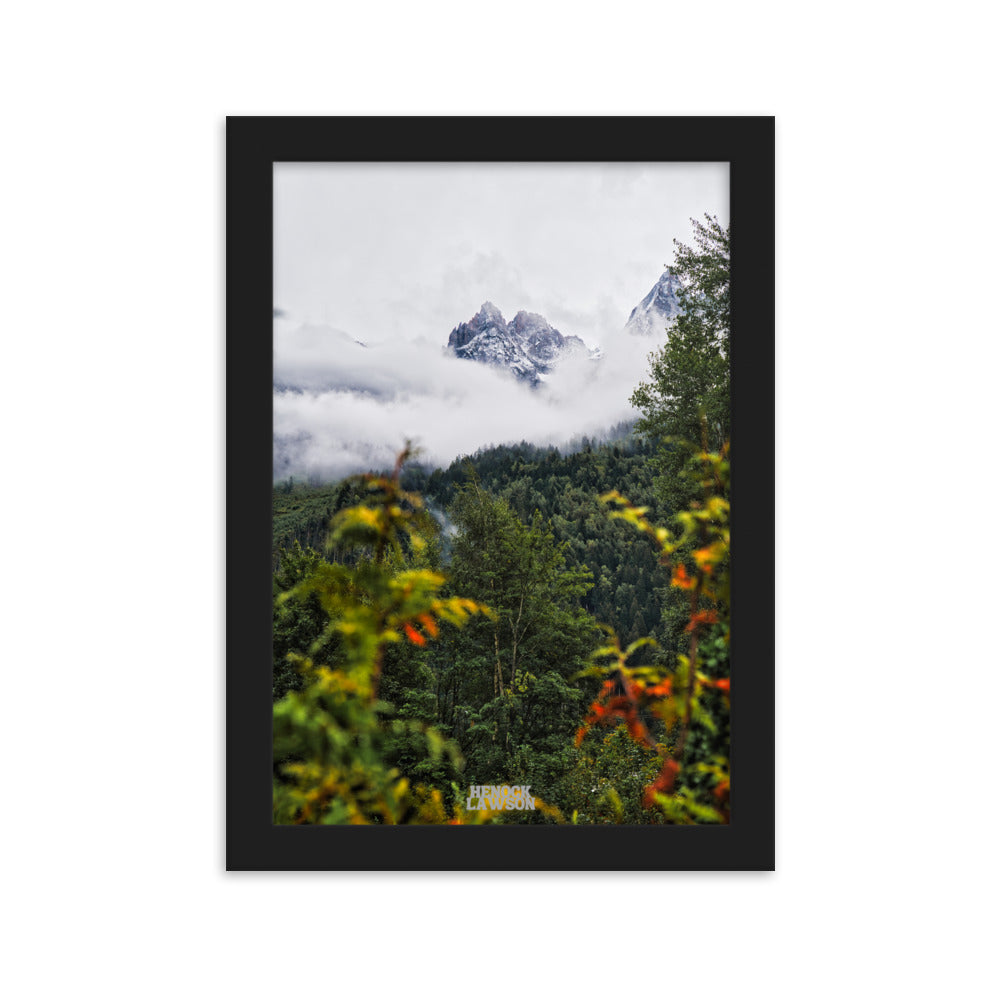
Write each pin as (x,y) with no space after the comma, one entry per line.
(703,617)
(662,690)
(414,636)
(704,558)
(664,782)
(430,626)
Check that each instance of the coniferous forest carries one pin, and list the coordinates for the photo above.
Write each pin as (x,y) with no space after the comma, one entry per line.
(532,634)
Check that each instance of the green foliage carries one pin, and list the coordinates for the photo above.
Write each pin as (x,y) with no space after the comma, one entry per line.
(689,376)
(506,686)
(298,622)
(412,662)
(685,401)
(563,489)
(333,744)
(690,702)
(607,783)
(523,737)
(520,571)
(405,694)
(334,747)
(301,513)
(424,693)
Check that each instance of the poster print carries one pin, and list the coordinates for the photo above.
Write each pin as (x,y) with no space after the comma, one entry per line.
(501,496)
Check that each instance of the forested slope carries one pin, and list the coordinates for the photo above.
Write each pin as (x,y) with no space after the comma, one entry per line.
(564,489)
(525,618)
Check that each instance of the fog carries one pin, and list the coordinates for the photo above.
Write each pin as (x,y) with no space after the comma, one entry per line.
(396,255)
(353,407)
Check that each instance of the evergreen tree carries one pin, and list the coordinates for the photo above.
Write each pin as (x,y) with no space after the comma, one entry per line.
(689,376)
(520,572)
(685,402)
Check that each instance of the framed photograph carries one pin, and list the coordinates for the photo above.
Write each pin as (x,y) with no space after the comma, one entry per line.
(500,494)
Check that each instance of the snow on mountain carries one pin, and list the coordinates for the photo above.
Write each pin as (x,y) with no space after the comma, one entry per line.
(658,309)
(529,346)
(342,404)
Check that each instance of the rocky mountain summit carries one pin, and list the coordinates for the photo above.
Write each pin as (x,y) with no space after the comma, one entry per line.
(528,346)
(658,309)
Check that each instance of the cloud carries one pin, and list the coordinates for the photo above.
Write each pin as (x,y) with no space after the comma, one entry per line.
(354,407)
(397,254)
(399,250)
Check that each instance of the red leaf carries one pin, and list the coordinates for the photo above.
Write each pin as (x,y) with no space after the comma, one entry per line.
(414,636)
(664,781)
(709,617)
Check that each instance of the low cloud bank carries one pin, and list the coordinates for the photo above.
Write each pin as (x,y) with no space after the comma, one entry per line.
(341,407)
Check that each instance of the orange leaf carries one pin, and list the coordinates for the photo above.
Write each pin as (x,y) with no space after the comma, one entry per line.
(636,729)
(709,617)
(429,625)
(664,781)
(414,636)
(661,690)
(723,684)
(704,558)
(681,579)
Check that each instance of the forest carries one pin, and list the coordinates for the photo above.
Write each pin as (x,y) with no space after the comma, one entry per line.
(553,622)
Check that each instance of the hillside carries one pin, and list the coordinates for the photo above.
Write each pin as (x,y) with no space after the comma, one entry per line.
(563,488)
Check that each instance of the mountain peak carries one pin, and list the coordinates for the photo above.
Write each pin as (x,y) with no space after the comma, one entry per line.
(524,319)
(668,287)
(488,313)
(528,346)
(658,308)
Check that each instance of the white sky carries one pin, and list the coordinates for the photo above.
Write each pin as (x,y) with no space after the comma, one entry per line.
(385,251)
(397,255)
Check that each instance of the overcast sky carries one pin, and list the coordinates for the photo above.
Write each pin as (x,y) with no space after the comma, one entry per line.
(403,250)
(397,255)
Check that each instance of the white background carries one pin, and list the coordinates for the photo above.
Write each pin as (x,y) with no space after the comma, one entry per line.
(111,228)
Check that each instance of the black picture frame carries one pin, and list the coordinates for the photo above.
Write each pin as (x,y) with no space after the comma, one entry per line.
(252,842)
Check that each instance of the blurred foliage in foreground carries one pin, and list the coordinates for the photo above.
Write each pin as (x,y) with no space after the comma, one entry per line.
(344,755)
(691,699)
(329,736)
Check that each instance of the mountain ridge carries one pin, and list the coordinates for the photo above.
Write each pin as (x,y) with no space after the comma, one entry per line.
(657,309)
(528,345)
